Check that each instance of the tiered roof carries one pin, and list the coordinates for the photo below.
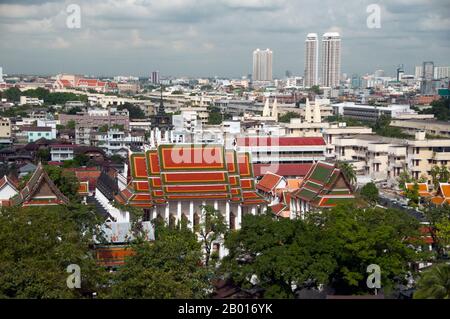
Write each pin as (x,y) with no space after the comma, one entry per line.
(269,181)
(189,172)
(443,195)
(40,191)
(325,186)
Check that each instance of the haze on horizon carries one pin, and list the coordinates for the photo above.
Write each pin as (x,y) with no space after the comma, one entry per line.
(215,38)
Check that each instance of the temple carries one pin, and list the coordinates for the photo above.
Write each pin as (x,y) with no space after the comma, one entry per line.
(39,191)
(173,182)
(324,186)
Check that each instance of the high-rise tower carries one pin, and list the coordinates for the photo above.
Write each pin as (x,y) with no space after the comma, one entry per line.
(262,65)
(331,59)
(311,60)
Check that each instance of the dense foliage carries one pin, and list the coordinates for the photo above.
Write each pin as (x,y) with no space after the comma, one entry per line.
(169,267)
(38,244)
(332,248)
(440,109)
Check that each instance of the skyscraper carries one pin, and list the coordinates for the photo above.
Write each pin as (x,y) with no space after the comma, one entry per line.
(426,86)
(155,77)
(331,59)
(262,65)
(311,60)
(1,74)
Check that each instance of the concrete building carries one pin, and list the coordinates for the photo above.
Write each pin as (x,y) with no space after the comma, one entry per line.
(62,152)
(340,130)
(262,65)
(272,150)
(5,128)
(331,59)
(430,126)
(370,113)
(423,154)
(155,77)
(426,84)
(25,100)
(34,133)
(311,60)
(441,72)
(87,123)
(117,142)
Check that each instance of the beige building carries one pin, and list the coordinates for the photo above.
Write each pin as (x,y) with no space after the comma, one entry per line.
(437,128)
(423,154)
(382,158)
(5,128)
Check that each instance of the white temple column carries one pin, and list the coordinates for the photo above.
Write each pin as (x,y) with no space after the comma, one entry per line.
(167,213)
(154,213)
(178,212)
(202,218)
(239,217)
(216,205)
(253,210)
(227,213)
(191,215)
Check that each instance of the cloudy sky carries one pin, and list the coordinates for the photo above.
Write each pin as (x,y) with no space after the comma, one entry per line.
(215,37)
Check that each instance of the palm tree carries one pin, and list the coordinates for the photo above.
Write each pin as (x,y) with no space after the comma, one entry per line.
(349,171)
(434,283)
(435,176)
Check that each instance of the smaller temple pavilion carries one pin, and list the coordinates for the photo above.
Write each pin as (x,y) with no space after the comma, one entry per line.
(39,191)
(173,181)
(324,186)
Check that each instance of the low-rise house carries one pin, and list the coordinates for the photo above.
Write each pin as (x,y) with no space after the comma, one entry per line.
(34,133)
(8,189)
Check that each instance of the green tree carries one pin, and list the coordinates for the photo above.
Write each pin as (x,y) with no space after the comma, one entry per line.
(370,193)
(38,243)
(412,194)
(403,178)
(213,228)
(43,155)
(349,171)
(12,94)
(215,116)
(169,267)
(434,283)
(71,125)
(315,89)
(65,180)
(134,111)
(439,175)
(368,236)
(286,118)
(280,253)
(440,109)
(438,218)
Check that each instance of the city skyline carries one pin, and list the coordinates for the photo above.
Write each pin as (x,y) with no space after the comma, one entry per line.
(197,38)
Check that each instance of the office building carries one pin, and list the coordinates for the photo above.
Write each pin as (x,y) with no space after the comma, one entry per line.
(440,72)
(331,59)
(426,85)
(311,60)
(262,65)
(155,77)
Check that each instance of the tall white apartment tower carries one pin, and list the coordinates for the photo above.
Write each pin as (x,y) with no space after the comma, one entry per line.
(1,74)
(331,59)
(262,65)
(311,60)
